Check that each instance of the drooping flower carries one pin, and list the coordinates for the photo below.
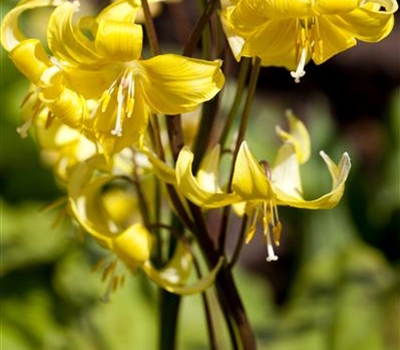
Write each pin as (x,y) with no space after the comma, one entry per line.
(127,238)
(262,188)
(289,33)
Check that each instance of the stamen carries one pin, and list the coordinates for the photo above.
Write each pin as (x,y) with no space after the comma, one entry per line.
(24,128)
(118,120)
(300,72)
(270,249)
(253,226)
(131,95)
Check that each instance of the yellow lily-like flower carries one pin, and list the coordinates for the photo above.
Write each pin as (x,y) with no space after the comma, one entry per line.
(110,69)
(132,244)
(289,33)
(260,187)
(100,59)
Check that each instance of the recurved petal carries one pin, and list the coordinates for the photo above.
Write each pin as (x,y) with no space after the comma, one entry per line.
(190,187)
(249,180)
(122,11)
(65,39)
(119,41)
(338,174)
(169,278)
(174,84)
(66,105)
(371,22)
(11,35)
(31,59)
(298,136)
(85,204)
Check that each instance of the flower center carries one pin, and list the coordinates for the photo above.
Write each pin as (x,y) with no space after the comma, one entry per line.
(125,86)
(267,212)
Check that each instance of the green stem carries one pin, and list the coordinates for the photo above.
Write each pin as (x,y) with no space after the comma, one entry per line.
(241,83)
(170,303)
(244,121)
(169,313)
(239,139)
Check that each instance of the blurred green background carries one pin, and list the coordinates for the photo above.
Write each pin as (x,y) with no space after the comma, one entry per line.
(336,283)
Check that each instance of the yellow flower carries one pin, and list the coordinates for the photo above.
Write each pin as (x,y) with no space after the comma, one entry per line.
(260,187)
(100,59)
(289,33)
(131,242)
(110,69)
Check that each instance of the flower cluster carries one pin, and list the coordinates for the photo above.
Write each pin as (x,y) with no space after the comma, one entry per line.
(108,120)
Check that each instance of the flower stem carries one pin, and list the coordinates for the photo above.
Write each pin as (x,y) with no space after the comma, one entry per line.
(150,29)
(190,46)
(208,116)
(240,137)
(241,83)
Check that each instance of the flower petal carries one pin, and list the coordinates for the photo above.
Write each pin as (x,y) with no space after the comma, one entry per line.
(133,245)
(298,136)
(207,176)
(174,84)
(191,188)
(332,39)
(339,175)
(122,11)
(66,41)
(66,105)
(85,204)
(164,172)
(251,35)
(168,277)
(119,41)
(249,180)
(11,36)
(91,83)
(371,22)
(285,174)
(31,59)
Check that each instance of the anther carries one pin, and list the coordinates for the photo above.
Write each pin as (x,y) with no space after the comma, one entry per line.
(300,72)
